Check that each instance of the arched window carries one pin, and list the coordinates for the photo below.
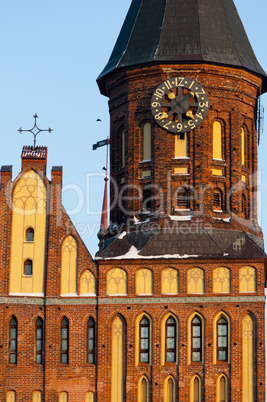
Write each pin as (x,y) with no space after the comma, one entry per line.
(144,340)
(170,340)
(39,341)
(247,279)
(169,389)
(217,141)
(63,397)
(91,341)
(221,280)
(195,281)
(169,281)
(196,339)
(182,198)
(13,340)
(181,149)
(195,389)
(37,396)
(69,266)
(29,234)
(243,147)
(118,359)
(248,352)
(89,397)
(222,339)
(244,206)
(123,148)
(28,267)
(143,390)
(144,282)
(146,200)
(147,142)
(65,341)
(217,200)
(116,282)
(87,283)
(11,396)
(221,394)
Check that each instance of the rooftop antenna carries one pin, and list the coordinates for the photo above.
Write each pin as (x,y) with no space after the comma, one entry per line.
(260,119)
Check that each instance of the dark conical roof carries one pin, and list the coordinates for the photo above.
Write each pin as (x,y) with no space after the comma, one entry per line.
(178,31)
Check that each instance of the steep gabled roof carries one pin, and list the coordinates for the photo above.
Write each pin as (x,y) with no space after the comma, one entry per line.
(175,31)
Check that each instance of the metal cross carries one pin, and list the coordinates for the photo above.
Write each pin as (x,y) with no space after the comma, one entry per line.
(35,130)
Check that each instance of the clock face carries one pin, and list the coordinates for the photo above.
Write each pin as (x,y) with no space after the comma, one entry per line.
(179,104)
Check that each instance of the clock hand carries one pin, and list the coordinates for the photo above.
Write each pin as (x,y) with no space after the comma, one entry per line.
(179,103)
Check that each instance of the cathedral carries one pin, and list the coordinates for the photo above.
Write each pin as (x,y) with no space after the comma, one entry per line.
(172,306)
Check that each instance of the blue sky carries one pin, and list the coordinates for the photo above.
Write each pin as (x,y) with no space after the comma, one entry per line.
(52,52)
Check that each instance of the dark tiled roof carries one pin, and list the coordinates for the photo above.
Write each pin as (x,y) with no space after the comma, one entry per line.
(182,30)
(165,243)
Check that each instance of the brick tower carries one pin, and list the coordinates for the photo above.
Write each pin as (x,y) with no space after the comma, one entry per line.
(172,308)
(182,266)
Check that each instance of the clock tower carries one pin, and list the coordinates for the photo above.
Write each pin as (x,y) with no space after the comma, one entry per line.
(184,245)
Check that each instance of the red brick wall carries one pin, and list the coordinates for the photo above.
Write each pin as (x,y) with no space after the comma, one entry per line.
(232,96)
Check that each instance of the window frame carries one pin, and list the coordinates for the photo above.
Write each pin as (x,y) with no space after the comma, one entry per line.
(90,352)
(171,350)
(39,353)
(145,350)
(182,201)
(221,348)
(64,352)
(13,351)
(196,350)
(29,231)
(28,266)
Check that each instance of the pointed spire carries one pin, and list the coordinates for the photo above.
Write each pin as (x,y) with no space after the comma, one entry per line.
(104,216)
(182,31)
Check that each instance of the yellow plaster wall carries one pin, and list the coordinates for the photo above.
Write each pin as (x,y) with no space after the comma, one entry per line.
(221,280)
(247,359)
(87,283)
(116,282)
(169,281)
(180,146)
(29,210)
(69,266)
(247,279)
(147,142)
(195,281)
(144,281)
(117,361)
(217,140)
